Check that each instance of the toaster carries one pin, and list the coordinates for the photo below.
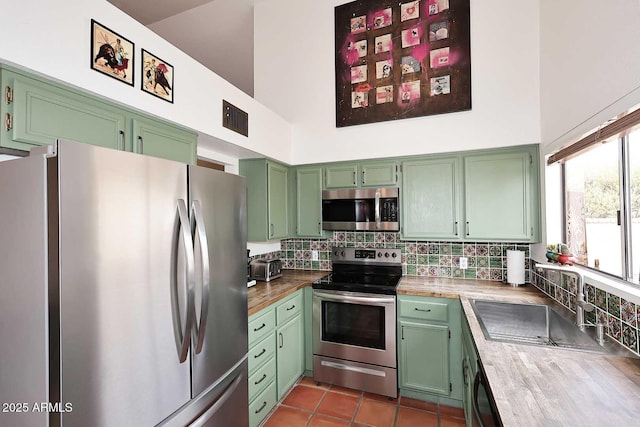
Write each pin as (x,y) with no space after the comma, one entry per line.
(265,269)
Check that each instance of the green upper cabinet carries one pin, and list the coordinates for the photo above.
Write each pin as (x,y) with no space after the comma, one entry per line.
(158,139)
(501,196)
(431,198)
(378,174)
(40,113)
(267,199)
(365,174)
(277,177)
(309,202)
(341,176)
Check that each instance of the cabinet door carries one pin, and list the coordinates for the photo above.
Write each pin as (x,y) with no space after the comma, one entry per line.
(277,201)
(498,196)
(431,199)
(158,139)
(289,354)
(309,202)
(341,176)
(41,115)
(424,357)
(378,174)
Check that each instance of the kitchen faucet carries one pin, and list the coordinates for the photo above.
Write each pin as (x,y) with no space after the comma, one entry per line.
(581,303)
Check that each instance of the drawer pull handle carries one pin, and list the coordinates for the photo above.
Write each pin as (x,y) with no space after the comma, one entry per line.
(422,309)
(262,407)
(261,379)
(264,350)
(291,308)
(258,328)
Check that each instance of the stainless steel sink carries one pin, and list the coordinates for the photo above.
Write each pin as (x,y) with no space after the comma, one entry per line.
(532,324)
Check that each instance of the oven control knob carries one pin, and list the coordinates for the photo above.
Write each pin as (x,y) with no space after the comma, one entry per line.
(342,254)
(394,255)
(379,254)
(386,254)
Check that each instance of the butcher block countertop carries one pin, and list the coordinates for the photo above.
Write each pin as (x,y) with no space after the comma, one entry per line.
(538,386)
(264,294)
(531,386)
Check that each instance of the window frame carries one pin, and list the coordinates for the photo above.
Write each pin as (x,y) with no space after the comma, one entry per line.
(624,215)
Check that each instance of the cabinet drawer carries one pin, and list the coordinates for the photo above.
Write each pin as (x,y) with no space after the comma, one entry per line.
(261,378)
(425,310)
(289,308)
(262,352)
(261,326)
(260,407)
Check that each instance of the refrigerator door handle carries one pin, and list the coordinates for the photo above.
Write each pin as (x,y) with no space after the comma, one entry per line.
(182,338)
(206,416)
(200,327)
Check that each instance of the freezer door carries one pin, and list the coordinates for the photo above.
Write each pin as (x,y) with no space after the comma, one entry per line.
(24,369)
(119,231)
(218,206)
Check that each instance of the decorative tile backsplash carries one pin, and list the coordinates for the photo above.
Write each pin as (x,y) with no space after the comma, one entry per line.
(620,317)
(486,261)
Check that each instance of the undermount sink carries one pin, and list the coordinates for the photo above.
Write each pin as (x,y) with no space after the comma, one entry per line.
(531,324)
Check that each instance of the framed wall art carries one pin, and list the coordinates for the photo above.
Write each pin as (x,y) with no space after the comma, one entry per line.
(111,54)
(157,76)
(397,60)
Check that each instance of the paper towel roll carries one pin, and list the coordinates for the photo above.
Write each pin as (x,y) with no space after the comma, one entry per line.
(515,267)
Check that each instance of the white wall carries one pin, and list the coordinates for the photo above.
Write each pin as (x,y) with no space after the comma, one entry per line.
(53,39)
(294,76)
(590,66)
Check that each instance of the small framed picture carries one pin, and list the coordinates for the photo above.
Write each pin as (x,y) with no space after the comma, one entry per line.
(111,54)
(157,76)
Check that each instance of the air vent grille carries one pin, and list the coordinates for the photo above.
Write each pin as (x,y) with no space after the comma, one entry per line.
(235,119)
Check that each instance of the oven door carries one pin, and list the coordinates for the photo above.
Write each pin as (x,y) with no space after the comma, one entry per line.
(355,326)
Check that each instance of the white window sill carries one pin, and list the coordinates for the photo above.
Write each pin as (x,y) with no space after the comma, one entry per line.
(617,287)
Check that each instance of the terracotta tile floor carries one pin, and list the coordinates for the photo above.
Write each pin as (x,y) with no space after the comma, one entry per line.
(311,405)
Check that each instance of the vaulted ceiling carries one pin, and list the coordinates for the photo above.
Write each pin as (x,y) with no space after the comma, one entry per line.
(216,33)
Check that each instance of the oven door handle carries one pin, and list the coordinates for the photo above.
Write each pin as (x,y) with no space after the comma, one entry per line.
(349,298)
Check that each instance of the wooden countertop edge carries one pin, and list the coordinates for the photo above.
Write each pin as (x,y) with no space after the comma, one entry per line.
(515,372)
(285,293)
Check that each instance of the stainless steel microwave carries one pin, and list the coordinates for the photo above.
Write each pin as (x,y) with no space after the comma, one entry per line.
(361,209)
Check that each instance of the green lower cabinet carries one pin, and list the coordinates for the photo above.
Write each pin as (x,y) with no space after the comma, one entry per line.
(424,352)
(289,354)
(259,408)
(163,140)
(430,349)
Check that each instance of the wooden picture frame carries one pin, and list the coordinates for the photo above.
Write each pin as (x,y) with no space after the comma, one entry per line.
(156,76)
(399,60)
(111,53)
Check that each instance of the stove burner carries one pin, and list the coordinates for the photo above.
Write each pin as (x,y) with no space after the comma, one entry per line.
(375,271)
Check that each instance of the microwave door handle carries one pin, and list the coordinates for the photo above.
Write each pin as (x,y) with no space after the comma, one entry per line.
(200,328)
(184,230)
(378,209)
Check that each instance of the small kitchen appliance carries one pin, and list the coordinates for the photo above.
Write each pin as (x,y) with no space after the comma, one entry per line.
(354,320)
(265,270)
(361,209)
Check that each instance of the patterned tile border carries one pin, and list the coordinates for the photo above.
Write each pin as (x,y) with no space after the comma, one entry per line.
(486,261)
(620,317)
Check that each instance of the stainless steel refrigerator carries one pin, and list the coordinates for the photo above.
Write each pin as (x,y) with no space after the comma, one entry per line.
(123,298)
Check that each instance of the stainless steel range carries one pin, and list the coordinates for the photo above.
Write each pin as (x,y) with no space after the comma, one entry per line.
(354,320)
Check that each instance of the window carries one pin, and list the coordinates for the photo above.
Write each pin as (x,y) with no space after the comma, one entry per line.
(602,206)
